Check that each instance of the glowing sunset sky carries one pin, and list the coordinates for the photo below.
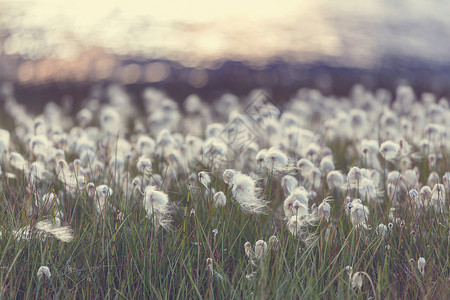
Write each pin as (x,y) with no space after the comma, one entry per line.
(190,31)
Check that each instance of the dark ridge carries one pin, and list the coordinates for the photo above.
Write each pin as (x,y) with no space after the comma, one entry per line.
(280,78)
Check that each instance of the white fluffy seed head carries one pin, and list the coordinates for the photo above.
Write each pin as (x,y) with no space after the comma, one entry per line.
(305,166)
(219,199)
(413,194)
(174,157)
(275,160)
(289,183)
(299,209)
(156,205)
(421,262)
(209,263)
(260,249)
(405,163)
(17,161)
(4,141)
(260,156)
(359,213)
(424,195)
(90,187)
(103,191)
(324,210)
(438,196)
(369,147)
(446,180)
(433,178)
(228,176)
(44,271)
(354,176)
(349,271)
(214,149)
(155,201)
(335,179)
(389,150)
(37,170)
(144,165)
(248,249)
(393,177)
(247,194)
(313,151)
(368,190)
(327,164)
(382,230)
(251,150)
(297,225)
(357,280)
(39,145)
(213,130)
(296,203)
(48,228)
(411,178)
(204,178)
(273,242)
(165,138)
(301,195)
(145,145)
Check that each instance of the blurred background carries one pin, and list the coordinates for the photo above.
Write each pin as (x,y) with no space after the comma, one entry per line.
(53,48)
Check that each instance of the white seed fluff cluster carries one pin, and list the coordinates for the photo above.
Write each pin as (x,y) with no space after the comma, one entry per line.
(246,192)
(156,205)
(44,271)
(368,152)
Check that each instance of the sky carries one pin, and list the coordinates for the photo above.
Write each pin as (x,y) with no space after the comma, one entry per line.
(348,31)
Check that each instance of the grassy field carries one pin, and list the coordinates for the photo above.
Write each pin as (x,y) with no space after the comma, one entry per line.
(115,215)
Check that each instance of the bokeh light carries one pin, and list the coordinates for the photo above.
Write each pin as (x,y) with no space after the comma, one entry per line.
(197,42)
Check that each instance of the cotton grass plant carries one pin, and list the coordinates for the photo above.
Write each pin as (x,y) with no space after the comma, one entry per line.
(337,200)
